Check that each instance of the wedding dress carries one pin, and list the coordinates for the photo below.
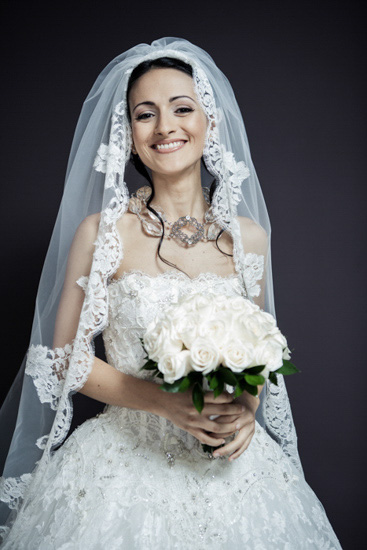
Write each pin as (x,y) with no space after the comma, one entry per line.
(128,479)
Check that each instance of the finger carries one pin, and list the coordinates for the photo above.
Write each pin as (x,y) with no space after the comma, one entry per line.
(207,439)
(220,436)
(242,449)
(234,445)
(230,427)
(224,419)
(224,397)
(224,409)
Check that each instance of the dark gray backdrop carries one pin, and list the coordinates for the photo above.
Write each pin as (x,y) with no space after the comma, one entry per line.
(298,74)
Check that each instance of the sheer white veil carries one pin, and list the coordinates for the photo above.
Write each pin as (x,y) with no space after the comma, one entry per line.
(39,401)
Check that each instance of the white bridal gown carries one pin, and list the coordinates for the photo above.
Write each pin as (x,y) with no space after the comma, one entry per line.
(128,479)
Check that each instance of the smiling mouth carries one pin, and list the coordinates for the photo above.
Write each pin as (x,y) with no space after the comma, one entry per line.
(168,147)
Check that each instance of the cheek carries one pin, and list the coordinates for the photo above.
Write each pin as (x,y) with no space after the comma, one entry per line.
(140,133)
(198,127)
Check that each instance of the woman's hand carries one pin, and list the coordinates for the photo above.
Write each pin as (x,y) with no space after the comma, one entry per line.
(244,424)
(179,409)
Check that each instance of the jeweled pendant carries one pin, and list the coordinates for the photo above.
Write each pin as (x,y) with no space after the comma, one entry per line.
(188,240)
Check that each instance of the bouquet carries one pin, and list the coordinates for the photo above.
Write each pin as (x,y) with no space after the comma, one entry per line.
(209,341)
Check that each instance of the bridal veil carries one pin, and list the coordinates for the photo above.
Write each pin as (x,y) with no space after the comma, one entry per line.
(37,413)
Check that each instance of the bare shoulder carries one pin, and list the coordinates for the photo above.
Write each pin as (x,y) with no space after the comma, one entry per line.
(128,222)
(90,224)
(130,229)
(254,237)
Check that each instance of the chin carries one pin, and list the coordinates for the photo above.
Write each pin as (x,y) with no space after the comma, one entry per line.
(174,169)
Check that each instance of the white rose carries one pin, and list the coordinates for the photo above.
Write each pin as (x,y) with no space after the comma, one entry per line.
(215,330)
(186,328)
(269,354)
(221,303)
(278,337)
(256,326)
(195,302)
(240,304)
(174,365)
(238,355)
(177,311)
(159,340)
(286,353)
(205,355)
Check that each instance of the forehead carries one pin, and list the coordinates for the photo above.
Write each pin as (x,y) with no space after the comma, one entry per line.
(168,82)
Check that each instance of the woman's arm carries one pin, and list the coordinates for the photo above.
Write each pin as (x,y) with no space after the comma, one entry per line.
(107,384)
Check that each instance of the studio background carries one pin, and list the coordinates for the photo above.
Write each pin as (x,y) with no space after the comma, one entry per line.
(297,72)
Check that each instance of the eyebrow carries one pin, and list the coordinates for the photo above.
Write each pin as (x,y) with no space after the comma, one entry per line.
(170,100)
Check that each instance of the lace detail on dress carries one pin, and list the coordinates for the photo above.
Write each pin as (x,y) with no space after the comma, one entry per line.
(113,485)
(137,297)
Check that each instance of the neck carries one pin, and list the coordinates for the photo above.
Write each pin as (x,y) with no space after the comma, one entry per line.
(180,195)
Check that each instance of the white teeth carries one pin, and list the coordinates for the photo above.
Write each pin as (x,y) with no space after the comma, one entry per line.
(169,145)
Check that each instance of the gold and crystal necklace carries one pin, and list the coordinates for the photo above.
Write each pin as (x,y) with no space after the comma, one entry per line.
(152,226)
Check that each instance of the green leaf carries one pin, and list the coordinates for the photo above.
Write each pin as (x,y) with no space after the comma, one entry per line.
(213,382)
(227,376)
(208,448)
(148,366)
(255,370)
(219,389)
(287,368)
(255,379)
(172,388)
(250,389)
(238,391)
(142,344)
(273,378)
(185,384)
(198,397)
(195,377)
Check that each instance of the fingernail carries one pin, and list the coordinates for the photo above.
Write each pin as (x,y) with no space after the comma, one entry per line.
(215,455)
(238,426)
(243,408)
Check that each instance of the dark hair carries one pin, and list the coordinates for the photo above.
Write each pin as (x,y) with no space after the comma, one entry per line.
(140,70)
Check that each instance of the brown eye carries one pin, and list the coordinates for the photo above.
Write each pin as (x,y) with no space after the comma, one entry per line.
(144,116)
(184,110)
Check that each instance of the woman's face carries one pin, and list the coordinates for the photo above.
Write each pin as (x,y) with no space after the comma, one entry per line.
(168,124)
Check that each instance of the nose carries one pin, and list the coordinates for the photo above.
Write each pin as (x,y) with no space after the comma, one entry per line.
(165,124)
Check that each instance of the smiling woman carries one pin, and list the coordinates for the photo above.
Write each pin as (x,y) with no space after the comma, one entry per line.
(172,116)
(113,483)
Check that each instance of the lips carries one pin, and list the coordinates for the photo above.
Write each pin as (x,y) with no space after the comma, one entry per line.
(168,146)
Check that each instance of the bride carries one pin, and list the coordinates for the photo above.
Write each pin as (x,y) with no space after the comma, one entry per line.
(136,476)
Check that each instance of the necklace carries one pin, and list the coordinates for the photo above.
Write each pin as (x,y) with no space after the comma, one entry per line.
(173,230)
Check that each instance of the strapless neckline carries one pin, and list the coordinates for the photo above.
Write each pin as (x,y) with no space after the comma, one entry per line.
(170,274)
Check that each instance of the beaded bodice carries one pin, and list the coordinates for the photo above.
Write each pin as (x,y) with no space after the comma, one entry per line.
(134,301)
